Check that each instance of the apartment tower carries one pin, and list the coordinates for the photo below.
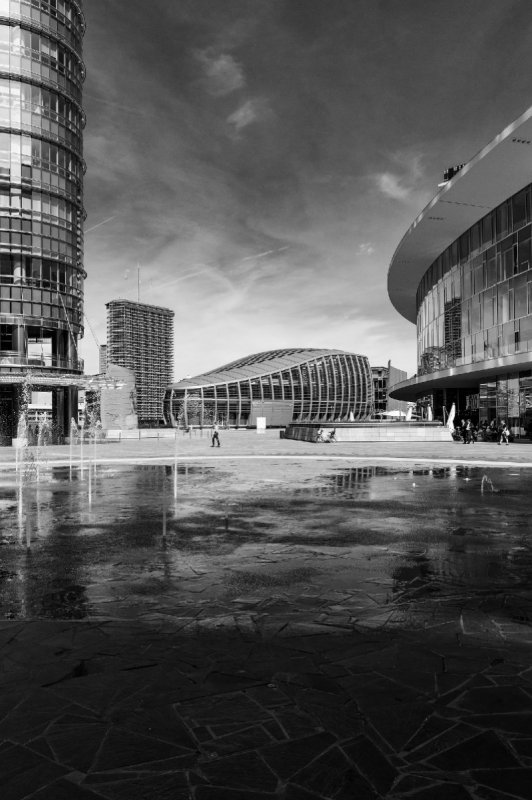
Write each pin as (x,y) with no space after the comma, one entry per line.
(41,205)
(140,337)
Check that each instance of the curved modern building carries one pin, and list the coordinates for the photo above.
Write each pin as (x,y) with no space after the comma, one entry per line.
(463,274)
(41,202)
(299,385)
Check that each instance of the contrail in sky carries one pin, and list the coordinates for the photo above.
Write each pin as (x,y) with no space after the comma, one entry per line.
(182,278)
(209,269)
(99,225)
(267,253)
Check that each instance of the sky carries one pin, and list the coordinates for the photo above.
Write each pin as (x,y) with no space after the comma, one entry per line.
(257,162)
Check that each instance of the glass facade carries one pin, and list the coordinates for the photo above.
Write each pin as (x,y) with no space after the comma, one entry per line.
(41,185)
(475,301)
(311,386)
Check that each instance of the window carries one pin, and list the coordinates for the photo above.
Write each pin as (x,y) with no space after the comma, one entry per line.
(520,209)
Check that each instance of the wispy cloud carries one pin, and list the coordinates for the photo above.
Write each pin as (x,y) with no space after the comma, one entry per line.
(253,110)
(391,186)
(365,249)
(222,74)
(404,181)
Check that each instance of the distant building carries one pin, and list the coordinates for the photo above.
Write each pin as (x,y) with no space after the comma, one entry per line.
(284,386)
(118,399)
(103,358)
(383,379)
(140,337)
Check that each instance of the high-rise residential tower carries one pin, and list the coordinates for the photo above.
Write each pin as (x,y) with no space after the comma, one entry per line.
(41,204)
(140,337)
(102,351)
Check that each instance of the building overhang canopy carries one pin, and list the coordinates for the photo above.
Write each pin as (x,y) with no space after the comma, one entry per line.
(497,172)
(468,376)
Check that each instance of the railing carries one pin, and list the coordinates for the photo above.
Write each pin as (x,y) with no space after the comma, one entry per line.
(10,358)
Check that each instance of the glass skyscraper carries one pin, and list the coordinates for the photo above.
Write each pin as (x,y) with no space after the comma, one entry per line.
(41,204)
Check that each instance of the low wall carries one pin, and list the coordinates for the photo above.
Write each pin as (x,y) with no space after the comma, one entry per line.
(373,432)
(141,433)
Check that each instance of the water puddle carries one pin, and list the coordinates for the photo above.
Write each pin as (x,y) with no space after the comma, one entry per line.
(134,540)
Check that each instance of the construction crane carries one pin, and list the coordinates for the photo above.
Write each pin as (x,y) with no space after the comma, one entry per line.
(93,336)
(87,320)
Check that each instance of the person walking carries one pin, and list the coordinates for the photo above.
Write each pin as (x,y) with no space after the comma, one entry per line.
(215,435)
(504,433)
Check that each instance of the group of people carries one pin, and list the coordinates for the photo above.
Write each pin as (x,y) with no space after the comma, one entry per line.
(328,437)
(469,432)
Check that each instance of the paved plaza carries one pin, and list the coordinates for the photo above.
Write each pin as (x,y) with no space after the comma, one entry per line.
(300,669)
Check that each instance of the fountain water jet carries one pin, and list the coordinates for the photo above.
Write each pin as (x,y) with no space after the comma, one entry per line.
(486,481)
(81,436)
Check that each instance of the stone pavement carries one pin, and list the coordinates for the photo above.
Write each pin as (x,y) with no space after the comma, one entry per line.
(125,710)
(249,444)
(308,695)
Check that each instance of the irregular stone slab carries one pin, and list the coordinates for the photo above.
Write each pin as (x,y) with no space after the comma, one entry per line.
(515,782)
(295,723)
(409,783)
(332,775)
(371,762)
(160,723)
(33,715)
(289,757)
(24,771)
(76,745)
(398,722)
(143,787)
(236,707)
(480,751)
(218,793)
(65,790)
(443,791)
(511,723)
(523,746)
(267,696)
(245,739)
(495,699)
(246,771)
(454,736)
(123,748)
(292,792)
(432,727)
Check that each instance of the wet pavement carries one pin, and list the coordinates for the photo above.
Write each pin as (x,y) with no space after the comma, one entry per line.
(288,629)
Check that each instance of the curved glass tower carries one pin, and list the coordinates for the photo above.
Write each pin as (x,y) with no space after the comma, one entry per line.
(41,203)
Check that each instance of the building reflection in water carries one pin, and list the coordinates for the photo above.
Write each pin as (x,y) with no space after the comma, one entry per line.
(432,530)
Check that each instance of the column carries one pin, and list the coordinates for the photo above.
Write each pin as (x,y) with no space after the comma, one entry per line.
(19,340)
(71,353)
(19,272)
(71,406)
(58,412)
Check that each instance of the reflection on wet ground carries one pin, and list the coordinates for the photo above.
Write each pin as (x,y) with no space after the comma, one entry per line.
(369,547)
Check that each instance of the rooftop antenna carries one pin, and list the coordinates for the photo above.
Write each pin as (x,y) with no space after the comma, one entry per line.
(138,283)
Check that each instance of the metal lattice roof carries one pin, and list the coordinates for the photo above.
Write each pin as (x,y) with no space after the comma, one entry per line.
(258,365)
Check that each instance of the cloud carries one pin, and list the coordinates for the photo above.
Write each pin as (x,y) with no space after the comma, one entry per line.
(223,75)
(391,186)
(251,111)
(365,249)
